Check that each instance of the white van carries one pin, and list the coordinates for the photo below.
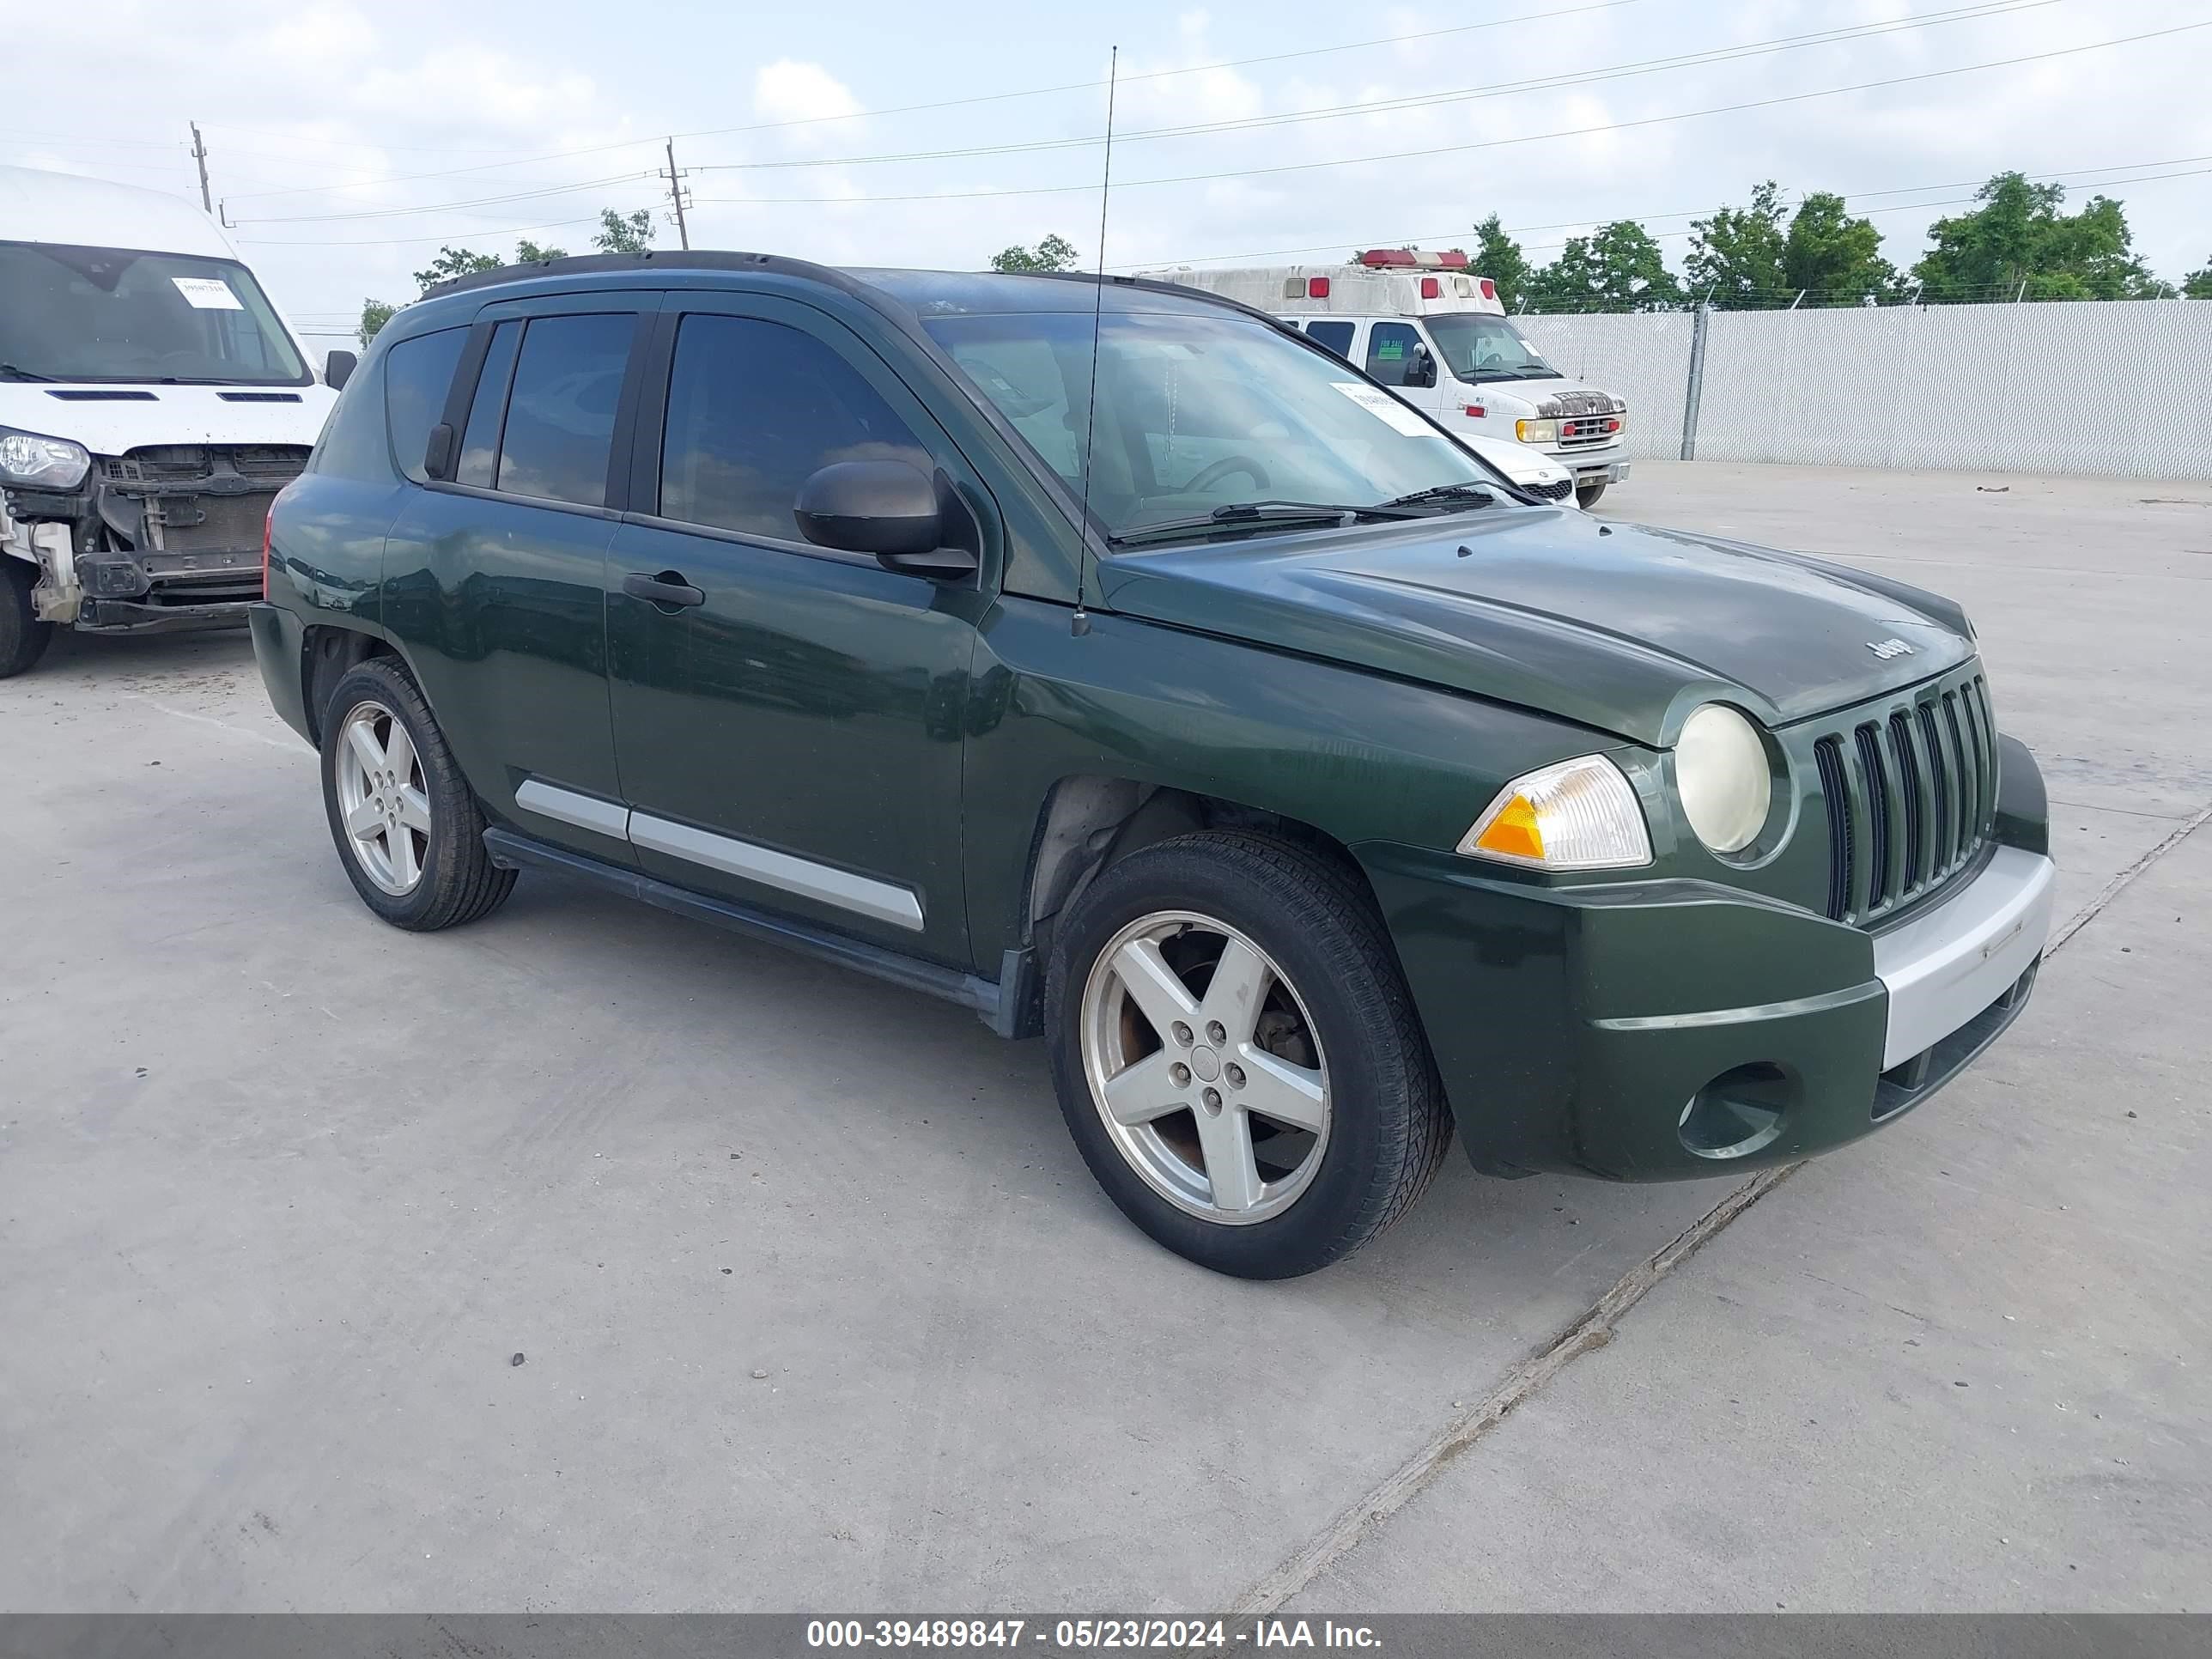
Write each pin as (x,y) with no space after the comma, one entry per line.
(152,402)
(1434,332)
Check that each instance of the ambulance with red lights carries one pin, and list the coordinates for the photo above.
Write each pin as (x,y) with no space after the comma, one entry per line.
(1434,332)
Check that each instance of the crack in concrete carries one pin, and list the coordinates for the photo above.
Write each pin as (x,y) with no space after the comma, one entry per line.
(1588,1334)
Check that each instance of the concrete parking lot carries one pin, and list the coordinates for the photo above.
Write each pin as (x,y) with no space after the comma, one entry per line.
(590,1259)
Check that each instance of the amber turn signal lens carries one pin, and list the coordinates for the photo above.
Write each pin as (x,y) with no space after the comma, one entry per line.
(1514,832)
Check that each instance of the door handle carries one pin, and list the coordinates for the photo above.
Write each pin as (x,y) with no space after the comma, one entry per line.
(668,588)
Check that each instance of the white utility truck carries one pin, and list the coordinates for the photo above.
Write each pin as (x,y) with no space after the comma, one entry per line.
(152,404)
(1434,332)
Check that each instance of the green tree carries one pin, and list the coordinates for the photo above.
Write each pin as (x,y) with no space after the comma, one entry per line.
(1053,253)
(375,314)
(2019,241)
(1499,258)
(527,252)
(1616,268)
(1736,256)
(454,262)
(624,234)
(2197,285)
(1833,257)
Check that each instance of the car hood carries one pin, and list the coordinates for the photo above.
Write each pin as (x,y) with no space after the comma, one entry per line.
(1620,626)
(94,415)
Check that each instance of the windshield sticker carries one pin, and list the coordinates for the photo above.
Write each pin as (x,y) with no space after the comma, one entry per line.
(1384,408)
(207,294)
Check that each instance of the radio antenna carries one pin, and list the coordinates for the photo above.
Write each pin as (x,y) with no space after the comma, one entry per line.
(1079,623)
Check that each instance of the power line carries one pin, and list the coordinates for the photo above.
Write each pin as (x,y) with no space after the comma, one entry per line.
(451,207)
(1482,144)
(1425,100)
(981,98)
(418,241)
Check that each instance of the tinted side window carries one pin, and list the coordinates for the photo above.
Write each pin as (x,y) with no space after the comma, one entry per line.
(354,444)
(417,373)
(561,414)
(753,408)
(480,441)
(1391,351)
(1337,337)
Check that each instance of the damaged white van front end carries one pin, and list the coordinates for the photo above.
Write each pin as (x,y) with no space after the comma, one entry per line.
(152,402)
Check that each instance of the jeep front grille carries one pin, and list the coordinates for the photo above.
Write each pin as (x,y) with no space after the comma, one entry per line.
(1910,790)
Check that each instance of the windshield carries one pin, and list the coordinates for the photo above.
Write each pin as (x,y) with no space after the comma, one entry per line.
(101,313)
(1197,413)
(1475,347)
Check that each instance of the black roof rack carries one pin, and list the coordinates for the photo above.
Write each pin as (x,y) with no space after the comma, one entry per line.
(806,270)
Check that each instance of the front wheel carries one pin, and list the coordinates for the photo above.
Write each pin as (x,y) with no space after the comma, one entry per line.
(1587,496)
(408,829)
(23,637)
(1236,1055)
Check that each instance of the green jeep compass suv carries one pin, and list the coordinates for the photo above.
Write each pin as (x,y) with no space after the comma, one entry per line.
(1119,663)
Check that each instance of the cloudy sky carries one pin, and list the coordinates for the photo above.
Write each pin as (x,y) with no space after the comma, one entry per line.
(347,143)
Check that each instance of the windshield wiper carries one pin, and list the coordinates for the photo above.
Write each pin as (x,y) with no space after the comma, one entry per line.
(1471,495)
(10,372)
(1241,514)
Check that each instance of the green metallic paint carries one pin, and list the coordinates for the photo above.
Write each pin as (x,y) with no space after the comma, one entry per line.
(1372,684)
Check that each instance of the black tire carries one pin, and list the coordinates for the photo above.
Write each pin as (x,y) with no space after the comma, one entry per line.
(23,637)
(1588,494)
(458,882)
(1389,1126)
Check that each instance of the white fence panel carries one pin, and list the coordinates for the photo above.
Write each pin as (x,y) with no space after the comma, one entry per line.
(2118,388)
(1643,359)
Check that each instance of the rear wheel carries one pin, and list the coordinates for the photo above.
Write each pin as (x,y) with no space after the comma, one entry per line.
(1588,493)
(23,637)
(1237,1057)
(408,828)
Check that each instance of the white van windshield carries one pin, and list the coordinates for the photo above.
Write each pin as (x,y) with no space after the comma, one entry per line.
(1476,347)
(1197,413)
(107,314)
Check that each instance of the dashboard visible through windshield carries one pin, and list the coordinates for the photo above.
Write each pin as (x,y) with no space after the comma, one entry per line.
(109,314)
(1197,414)
(1477,348)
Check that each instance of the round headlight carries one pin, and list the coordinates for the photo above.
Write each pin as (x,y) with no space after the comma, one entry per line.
(1720,766)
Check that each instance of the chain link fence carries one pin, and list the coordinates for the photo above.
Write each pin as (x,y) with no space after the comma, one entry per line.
(2118,388)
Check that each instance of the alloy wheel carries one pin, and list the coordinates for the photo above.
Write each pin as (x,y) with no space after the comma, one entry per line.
(381,799)
(1206,1067)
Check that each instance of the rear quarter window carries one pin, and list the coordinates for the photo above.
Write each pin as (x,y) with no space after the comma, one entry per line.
(417,373)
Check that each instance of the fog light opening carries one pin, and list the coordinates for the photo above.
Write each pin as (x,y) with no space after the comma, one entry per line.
(1738,1113)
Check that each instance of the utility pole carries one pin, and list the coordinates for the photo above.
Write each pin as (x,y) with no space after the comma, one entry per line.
(199,155)
(675,195)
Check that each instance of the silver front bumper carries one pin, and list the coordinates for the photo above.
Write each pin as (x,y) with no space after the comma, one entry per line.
(1948,964)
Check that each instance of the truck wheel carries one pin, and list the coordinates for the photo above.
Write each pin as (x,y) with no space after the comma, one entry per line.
(23,637)
(1586,496)
(408,828)
(1238,1057)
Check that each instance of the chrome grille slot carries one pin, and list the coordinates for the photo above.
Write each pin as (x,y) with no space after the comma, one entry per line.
(1910,790)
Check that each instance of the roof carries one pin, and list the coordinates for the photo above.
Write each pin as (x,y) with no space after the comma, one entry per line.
(926,292)
(72,208)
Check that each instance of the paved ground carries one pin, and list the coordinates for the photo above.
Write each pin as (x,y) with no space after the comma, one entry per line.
(819,1308)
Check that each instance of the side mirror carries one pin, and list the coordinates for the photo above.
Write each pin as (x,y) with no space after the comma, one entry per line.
(337,369)
(438,452)
(1422,370)
(884,507)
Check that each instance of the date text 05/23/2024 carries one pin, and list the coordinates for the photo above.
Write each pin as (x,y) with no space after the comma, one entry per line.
(1073,1634)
